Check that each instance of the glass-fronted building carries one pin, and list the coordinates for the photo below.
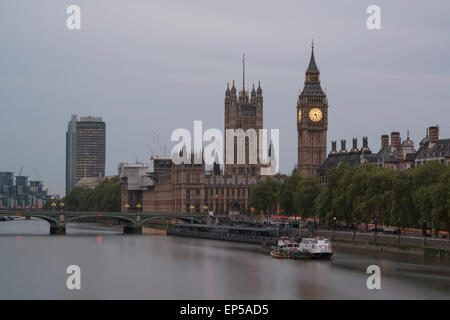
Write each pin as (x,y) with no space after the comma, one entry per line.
(85,149)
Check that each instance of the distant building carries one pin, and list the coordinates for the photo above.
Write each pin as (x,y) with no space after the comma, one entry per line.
(189,188)
(184,188)
(89,182)
(21,193)
(399,155)
(433,148)
(92,182)
(85,149)
(312,122)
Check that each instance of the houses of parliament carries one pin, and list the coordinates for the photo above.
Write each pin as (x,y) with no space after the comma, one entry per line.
(190,188)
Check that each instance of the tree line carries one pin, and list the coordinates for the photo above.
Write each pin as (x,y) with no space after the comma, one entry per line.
(105,197)
(362,194)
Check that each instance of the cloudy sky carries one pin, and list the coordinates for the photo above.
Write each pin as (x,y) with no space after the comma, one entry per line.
(148,66)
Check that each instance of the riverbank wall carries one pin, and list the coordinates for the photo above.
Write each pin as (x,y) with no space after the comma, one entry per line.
(386,243)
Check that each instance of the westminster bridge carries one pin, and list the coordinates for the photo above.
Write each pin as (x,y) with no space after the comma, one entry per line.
(132,222)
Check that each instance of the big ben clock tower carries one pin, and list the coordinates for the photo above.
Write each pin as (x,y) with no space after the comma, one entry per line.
(312,122)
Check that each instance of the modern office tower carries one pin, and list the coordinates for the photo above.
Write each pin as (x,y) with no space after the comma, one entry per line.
(85,149)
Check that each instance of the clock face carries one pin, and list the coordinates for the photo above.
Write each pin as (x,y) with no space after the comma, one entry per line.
(299,115)
(315,114)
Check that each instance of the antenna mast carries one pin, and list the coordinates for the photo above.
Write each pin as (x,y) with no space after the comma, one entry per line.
(243,70)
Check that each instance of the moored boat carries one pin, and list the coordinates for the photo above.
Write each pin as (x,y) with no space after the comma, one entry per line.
(280,253)
(299,248)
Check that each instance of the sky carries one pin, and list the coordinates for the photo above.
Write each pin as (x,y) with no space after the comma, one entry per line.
(149,67)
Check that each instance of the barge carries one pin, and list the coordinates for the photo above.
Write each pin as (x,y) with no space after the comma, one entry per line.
(257,235)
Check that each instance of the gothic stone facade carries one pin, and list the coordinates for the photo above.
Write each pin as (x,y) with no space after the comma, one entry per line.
(312,123)
(189,188)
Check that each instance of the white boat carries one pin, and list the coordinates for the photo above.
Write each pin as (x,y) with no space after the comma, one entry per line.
(306,247)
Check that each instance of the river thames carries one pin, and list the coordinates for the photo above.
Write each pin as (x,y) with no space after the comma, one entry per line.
(116,266)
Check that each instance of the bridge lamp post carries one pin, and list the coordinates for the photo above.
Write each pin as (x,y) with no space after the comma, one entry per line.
(354,227)
(190,210)
(424,231)
(53,206)
(334,229)
(126,207)
(62,204)
(138,206)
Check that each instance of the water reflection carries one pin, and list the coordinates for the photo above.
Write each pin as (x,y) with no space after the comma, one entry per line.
(118,266)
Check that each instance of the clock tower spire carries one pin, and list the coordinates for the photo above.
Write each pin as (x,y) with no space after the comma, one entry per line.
(312,122)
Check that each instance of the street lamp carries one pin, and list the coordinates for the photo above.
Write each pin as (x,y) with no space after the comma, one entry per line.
(334,230)
(376,227)
(138,206)
(61,204)
(53,206)
(126,207)
(190,210)
(424,230)
(354,227)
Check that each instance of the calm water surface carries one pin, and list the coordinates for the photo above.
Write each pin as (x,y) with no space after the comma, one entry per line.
(117,266)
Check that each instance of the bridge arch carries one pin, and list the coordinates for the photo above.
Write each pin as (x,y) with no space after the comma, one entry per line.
(122,219)
(51,221)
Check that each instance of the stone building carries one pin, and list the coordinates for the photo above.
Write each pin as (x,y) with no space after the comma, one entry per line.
(396,154)
(433,148)
(312,122)
(184,188)
(191,188)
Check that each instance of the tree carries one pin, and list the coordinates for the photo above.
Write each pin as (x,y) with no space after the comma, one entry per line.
(441,200)
(404,212)
(307,191)
(286,193)
(105,197)
(263,195)
(379,194)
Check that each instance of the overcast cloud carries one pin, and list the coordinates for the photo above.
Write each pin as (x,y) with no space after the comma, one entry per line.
(160,65)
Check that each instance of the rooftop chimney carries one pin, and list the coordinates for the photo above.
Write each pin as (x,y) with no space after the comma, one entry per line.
(343,150)
(333,148)
(384,140)
(433,133)
(395,139)
(355,145)
(365,146)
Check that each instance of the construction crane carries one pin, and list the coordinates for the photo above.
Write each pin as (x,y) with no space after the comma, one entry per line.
(150,150)
(156,138)
(37,175)
(20,172)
